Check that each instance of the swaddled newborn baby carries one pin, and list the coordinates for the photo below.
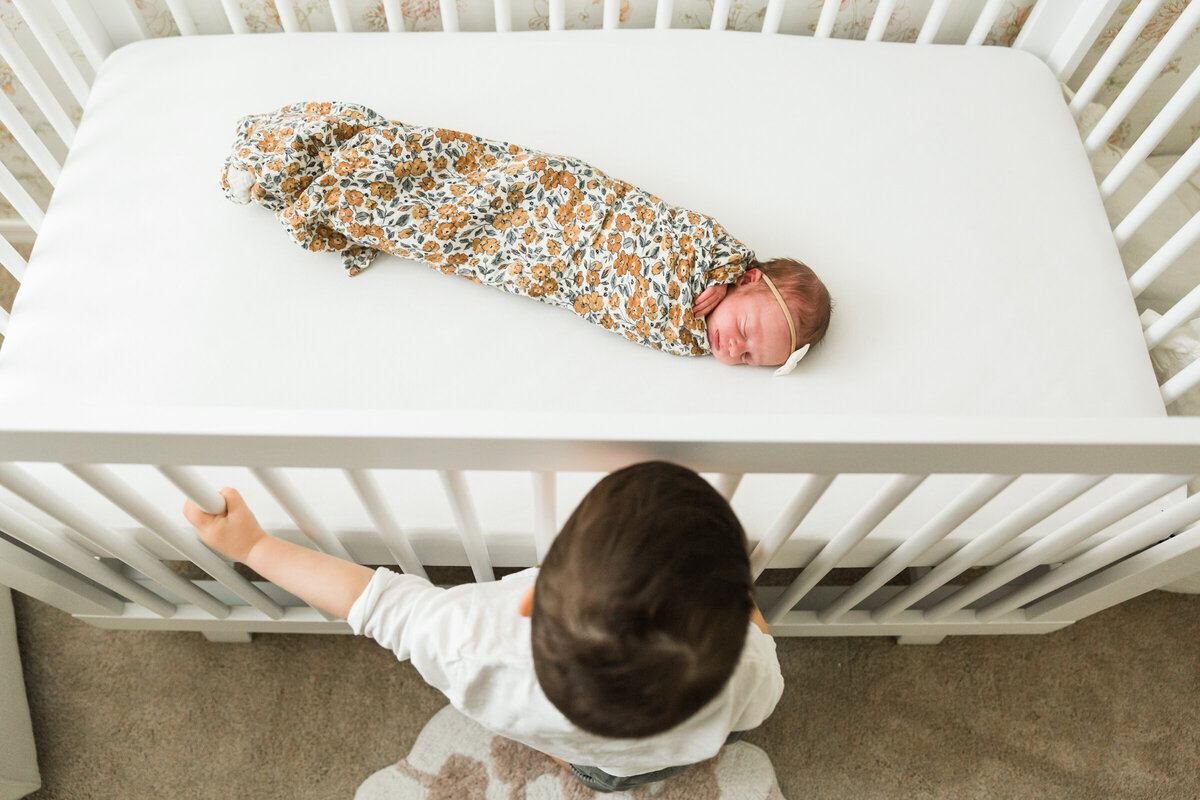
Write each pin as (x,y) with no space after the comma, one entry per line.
(342,178)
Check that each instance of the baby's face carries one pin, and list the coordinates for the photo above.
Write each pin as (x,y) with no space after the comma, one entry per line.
(748,326)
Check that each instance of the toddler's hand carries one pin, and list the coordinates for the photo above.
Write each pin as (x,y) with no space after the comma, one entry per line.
(233,533)
(709,298)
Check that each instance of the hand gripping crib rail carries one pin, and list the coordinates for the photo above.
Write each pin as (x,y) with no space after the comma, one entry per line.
(967,561)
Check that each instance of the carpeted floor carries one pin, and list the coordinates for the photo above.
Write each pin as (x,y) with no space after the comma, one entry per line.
(1107,708)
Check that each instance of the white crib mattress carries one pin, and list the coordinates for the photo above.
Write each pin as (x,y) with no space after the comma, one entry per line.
(940,191)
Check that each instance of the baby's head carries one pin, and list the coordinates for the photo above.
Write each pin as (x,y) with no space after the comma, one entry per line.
(642,604)
(748,326)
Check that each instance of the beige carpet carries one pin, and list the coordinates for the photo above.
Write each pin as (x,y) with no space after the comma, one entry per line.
(1107,708)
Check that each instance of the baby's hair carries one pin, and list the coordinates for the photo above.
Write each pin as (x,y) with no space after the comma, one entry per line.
(805,295)
(642,604)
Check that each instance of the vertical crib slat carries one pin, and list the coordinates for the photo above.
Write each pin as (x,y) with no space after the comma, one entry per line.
(503,13)
(1179,243)
(54,50)
(26,206)
(1010,527)
(341,16)
(125,498)
(135,17)
(183,18)
(287,15)
(773,16)
(1113,54)
(38,495)
(720,15)
(275,482)
(29,77)
(449,15)
(558,15)
(872,513)
(29,141)
(233,12)
(93,41)
(987,18)
(1045,549)
(188,481)
(1181,383)
(879,22)
(4,318)
(1150,69)
(468,524)
(664,11)
(1142,535)
(829,12)
(394,538)
(76,558)
(933,21)
(727,484)
(1175,316)
(11,260)
(544,512)
(948,519)
(612,14)
(1153,134)
(1175,177)
(811,490)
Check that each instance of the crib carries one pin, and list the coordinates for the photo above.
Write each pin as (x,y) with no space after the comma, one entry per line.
(980,446)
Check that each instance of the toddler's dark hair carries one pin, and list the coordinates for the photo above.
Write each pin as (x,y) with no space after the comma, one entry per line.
(806,297)
(643,602)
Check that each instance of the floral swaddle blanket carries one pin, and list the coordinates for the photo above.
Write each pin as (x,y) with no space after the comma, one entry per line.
(342,178)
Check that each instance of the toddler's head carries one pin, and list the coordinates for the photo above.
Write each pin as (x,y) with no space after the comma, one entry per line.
(642,604)
(748,326)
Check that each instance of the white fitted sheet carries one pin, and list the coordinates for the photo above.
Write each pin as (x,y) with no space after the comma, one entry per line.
(941,192)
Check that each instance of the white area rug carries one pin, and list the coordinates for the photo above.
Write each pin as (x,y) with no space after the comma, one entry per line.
(455,759)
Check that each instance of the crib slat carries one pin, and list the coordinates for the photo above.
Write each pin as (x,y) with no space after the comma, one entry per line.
(973,552)
(1154,133)
(773,16)
(65,552)
(811,490)
(933,21)
(275,482)
(558,15)
(987,18)
(233,12)
(26,206)
(544,512)
(135,17)
(720,15)
(341,16)
(94,48)
(1175,177)
(54,50)
(12,119)
(188,481)
(1044,550)
(943,523)
(1142,535)
(829,12)
(727,484)
(31,79)
(38,495)
(11,260)
(287,15)
(1145,75)
(612,15)
(1181,383)
(183,18)
(455,485)
(857,529)
(393,537)
(1179,243)
(879,22)
(1176,315)
(664,11)
(449,15)
(503,13)
(104,481)
(4,318)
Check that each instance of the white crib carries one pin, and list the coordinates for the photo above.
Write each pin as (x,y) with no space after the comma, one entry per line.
(1005,448)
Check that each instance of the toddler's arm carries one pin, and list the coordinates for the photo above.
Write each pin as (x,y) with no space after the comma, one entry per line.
(327,582)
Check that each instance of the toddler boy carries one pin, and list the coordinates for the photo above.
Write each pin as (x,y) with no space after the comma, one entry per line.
(633,652)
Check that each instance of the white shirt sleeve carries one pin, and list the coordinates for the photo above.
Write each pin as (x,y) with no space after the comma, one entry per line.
(762,677)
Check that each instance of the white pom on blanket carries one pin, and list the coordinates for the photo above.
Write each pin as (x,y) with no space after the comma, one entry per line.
(240,181)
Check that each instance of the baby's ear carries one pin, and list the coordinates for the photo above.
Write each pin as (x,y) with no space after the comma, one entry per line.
(525,604)
(749,276)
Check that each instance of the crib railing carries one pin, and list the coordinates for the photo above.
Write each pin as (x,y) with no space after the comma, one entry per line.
(1002,580)
(117,579)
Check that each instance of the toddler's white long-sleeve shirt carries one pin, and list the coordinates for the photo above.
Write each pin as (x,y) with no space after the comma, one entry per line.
(470,643)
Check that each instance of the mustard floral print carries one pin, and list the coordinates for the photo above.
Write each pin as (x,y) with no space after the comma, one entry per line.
(342,178)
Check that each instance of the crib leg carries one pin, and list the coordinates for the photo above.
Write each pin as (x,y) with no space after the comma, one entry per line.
(921,638)
(229,637)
